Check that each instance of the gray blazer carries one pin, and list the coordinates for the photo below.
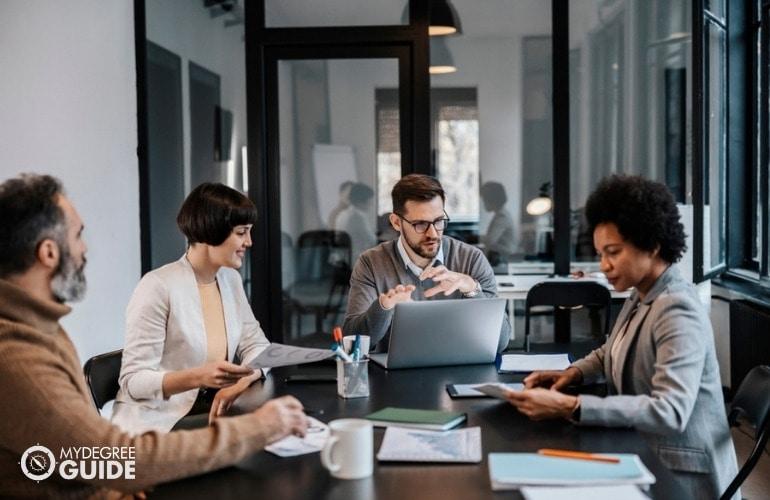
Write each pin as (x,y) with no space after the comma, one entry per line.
(670,388)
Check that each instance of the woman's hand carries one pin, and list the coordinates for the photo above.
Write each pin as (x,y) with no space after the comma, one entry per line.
(224,398)
(553,379)
(541,404)
(219,374)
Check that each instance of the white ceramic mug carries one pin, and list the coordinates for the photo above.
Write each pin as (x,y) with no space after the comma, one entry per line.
(347,344)
(348,453)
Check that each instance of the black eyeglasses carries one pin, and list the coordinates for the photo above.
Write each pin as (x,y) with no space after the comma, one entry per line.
(420,226)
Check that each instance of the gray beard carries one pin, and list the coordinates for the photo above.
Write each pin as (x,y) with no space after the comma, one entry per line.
(69,282)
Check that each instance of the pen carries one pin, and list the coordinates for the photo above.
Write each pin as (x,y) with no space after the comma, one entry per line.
(578,455)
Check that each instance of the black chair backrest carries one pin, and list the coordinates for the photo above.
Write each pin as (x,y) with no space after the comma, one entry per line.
(752,404)
(752,399)
(320,252)
(569,295)
(102,373)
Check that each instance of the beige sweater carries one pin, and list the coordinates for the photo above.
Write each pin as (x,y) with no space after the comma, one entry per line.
(46,401)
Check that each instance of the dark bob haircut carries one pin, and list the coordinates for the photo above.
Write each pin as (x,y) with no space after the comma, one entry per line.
(415,187)
(211,211)
(644,212)
(31,214)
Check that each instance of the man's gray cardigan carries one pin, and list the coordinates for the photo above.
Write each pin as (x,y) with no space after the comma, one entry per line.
(670,388)
(381,268)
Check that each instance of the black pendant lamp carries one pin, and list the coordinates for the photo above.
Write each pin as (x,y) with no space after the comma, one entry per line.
(443,19)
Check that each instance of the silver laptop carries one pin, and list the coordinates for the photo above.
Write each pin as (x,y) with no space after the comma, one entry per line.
(443,332)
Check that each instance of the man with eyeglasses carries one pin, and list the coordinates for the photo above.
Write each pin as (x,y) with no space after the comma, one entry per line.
(420,264)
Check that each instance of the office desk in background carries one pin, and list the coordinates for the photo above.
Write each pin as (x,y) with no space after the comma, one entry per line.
(515,287)
(503,430)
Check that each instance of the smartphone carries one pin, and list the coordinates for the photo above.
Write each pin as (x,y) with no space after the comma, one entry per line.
(309,378)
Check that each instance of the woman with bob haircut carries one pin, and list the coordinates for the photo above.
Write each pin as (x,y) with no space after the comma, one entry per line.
(189,320)
(659,362)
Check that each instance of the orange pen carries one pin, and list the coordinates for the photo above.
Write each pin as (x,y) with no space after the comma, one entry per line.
(578,455)
(337,335)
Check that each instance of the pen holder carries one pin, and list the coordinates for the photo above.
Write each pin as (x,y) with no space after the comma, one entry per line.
(353,378)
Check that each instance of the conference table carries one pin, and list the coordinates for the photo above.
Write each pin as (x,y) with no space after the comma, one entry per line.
(503,429)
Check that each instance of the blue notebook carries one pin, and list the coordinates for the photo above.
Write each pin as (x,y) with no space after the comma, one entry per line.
(513,470)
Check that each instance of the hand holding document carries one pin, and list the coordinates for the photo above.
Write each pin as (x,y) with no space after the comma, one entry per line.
(285,355)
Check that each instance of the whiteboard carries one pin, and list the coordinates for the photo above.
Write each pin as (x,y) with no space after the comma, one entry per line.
(333,164)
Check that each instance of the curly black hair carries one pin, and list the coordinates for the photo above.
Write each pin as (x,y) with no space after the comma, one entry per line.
(644,212)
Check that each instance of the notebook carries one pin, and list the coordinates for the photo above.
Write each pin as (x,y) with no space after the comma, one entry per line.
(514,470)
(415,445)
(418,419)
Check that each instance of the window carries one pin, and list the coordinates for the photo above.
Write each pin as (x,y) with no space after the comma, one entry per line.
(455,128)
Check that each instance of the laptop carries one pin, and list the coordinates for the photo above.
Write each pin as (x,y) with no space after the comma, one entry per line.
(443,332)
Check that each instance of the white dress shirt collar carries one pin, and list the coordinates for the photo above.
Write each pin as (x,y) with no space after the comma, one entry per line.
(417,270)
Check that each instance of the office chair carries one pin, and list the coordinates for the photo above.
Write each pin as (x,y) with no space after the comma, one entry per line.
(322,274)
(567,295)
(751,404)
(102,372)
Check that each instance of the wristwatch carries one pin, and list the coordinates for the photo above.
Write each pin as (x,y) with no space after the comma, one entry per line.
(474,292)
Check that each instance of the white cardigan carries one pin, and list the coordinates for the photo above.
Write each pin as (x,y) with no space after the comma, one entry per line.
(165,332)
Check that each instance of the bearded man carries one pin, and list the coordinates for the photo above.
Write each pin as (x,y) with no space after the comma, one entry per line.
(420,264)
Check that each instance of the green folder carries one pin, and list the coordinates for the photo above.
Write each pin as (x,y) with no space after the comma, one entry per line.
(419,419)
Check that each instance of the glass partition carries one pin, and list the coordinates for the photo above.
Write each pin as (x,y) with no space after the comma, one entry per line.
(335,167)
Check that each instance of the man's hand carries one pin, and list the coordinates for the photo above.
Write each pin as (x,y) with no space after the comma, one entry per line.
(401,293)
(554,379)
(219,374)
(541,404)
(282,416)
(448,281)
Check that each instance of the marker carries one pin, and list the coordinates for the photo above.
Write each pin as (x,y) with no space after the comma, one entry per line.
(336,337)
(578,455)
(357,348)
(339,351)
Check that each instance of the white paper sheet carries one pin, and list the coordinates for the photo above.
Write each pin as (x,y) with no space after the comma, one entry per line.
(532,362)
(626,492)
(285,355)
(415,445)
(291,446)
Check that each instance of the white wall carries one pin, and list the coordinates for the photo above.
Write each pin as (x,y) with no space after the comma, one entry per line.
(68,108)
(185,28)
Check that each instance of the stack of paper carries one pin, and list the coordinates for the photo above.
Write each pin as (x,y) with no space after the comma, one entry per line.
(626,492)
(532,362)
(514,470)
(413,445)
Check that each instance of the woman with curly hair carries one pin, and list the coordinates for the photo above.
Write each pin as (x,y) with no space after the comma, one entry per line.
(659,362)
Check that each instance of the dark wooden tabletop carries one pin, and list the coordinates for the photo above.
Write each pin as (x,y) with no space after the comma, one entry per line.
(503,430)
